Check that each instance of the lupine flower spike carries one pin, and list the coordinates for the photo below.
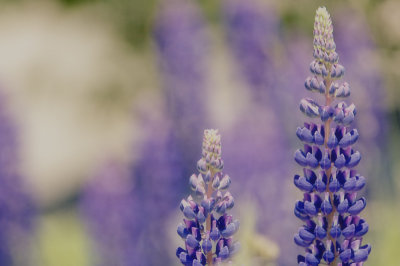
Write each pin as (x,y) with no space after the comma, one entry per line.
(207,229)
(17,210)
(334,230)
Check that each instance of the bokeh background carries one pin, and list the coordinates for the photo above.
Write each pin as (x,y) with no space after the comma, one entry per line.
(103,104)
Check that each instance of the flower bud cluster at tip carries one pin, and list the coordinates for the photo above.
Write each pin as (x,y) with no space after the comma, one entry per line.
(324,45)
(326,72)
(211,152)
(333,229)
(216,236)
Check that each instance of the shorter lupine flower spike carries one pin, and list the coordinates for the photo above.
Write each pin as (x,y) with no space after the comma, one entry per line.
(330,209)
(207,229)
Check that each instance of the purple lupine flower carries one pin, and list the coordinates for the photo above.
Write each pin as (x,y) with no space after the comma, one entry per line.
(127,208)
(17,211)
(259,154)
(158,175)
(330,208)
(161,160)
(108,205)
(181,41)
(251,32)
(207,229)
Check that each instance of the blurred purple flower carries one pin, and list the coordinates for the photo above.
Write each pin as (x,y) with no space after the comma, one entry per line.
(159,185)
(256,146)
(252,30)
(255,153)
(297,50)
(128,209)
(181,41)
(108,205)
(169,138)
(17,210)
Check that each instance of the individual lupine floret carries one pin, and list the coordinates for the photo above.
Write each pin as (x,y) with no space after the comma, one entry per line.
(330,208)
(207,229)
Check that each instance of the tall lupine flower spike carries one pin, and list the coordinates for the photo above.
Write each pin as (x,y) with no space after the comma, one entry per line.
(207,229)
(333,231)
